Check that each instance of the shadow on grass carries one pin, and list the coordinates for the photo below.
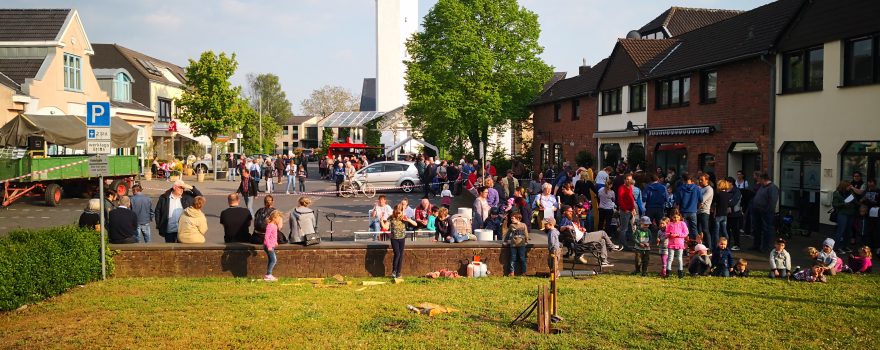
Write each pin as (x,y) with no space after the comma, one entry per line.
(734,293)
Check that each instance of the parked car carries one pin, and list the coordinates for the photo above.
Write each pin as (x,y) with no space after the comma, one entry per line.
(206,165)
(390,174)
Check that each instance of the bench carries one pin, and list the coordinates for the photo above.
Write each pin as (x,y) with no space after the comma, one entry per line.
(383,236)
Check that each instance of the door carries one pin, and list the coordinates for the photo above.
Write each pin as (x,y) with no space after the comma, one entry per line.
(800,182)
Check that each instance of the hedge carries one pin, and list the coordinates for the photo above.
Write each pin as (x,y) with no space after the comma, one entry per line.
(38,264)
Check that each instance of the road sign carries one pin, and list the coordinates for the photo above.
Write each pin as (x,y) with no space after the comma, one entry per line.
(98,114)
(102,134)
(99,165)
(98,147)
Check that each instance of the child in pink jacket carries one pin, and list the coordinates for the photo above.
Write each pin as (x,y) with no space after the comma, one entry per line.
(676,231)
(271,241)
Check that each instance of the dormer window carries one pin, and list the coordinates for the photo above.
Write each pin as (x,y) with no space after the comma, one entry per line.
(122,87)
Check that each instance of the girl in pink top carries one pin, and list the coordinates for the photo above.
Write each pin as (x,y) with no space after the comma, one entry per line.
(271,241)
(861,262)
(676,231)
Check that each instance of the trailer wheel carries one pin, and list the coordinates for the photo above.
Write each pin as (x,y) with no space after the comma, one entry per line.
(120,186)
(53,194)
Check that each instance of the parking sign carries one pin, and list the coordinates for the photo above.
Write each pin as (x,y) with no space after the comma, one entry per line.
(98,114)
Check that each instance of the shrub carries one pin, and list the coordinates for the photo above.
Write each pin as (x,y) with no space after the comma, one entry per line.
(584,159)
(37,264)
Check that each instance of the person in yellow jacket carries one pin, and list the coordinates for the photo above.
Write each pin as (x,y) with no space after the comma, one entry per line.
(193,225)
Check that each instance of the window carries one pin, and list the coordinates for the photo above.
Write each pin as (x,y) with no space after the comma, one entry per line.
(674,92)
(611,101)
(637,97)
(861,156)
(164,110)
(286,148)
(312,133)
(72,72)
(575,109)
(294,130)
(556,108)
(708,87)
(861,62)
(284,130)
(545,156)
(122,88)
(557,153)
(802,70)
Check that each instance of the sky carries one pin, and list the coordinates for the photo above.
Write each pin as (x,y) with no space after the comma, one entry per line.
(312,43)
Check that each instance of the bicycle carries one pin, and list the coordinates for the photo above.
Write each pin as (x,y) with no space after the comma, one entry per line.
(351,188)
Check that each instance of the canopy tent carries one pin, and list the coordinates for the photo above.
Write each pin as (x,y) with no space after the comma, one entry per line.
(400,144)
(64,130)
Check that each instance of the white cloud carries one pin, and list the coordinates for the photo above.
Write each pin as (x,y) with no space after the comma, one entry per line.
(164,19)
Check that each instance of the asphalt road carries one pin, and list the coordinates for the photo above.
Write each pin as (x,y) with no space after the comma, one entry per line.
(351,213)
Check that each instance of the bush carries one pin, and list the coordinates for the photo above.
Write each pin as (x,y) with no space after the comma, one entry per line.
(38,264)
(584,159)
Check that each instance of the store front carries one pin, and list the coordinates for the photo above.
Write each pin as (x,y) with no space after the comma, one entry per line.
(743,156)
(861,156)
(671,155)
(610,154)
(800,182)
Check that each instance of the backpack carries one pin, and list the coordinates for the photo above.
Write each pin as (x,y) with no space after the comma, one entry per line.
(260,219)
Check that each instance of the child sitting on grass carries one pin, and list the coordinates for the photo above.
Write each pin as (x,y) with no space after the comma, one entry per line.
(780,260)
(832,265)
(861,262)
(676,231)
(701,263)
(642,247)
(722,258)
(812,274)
(663,243)
(741,269)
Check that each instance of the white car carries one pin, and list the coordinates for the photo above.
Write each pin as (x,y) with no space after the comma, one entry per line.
(390,174)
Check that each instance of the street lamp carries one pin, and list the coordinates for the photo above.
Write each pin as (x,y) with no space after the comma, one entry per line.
(641,129)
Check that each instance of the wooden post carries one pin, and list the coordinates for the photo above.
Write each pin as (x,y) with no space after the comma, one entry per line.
(540,313)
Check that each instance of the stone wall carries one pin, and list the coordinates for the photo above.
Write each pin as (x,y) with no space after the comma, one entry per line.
(354,259)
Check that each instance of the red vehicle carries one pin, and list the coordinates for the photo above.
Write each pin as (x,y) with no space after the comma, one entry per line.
(348,149)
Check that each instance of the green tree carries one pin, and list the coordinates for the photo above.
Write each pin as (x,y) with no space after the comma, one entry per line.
(475,66)
(373,137)
(209,103)
(251,131)
(326,140)
(267,87)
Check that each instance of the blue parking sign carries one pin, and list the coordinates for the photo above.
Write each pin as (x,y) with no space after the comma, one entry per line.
(98,114)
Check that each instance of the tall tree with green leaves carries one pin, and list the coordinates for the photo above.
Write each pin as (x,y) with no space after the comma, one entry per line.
(267,87)
(251,131)
(474,67)
(209,103)
(328,99)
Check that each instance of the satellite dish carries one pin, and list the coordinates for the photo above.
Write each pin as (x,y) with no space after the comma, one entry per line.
(633,34)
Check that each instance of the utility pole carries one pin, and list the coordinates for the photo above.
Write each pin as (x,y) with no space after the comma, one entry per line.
(260,147)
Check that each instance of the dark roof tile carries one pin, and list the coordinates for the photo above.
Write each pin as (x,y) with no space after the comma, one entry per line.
(19,69)
(148,66)
(573,87)
(130,105)
(557,76)
(822,21)
(746,35)
(645,53)
(680,20)
(296,120)
(31,24)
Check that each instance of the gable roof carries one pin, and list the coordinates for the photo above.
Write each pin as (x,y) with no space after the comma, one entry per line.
(148,66)
(19,69)
(679,20)
(297,120)
(557,76)
(746,35)
(822,21)
(32,24)
(573,87)
(646,53)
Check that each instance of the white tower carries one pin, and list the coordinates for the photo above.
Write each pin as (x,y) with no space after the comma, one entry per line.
(396,21)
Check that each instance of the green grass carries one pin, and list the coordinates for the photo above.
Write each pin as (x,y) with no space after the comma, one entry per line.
(602,312)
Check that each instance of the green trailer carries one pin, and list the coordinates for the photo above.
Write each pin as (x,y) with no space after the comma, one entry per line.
(51,177)
(32,173)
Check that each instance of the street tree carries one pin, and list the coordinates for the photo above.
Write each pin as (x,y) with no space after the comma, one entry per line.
(209,103)
(267,87)
(474,67)
(250,129)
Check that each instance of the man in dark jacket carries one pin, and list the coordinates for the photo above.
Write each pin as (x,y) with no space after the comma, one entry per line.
(170,205)
(142,206)
(248,189)
(122,227)
(764,205)
(236,221)
(687,199)
(655,199)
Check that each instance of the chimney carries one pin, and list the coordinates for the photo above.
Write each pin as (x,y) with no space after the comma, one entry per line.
(584,68)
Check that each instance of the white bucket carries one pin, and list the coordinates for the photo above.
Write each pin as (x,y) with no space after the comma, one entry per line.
(466,212)
(483,234)
(477,269)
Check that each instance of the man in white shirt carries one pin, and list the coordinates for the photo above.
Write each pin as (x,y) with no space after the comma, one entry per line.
(380,212)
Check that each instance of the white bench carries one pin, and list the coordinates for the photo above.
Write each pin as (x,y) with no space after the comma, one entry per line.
(383,236)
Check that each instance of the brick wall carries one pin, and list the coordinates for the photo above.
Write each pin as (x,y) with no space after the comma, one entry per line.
(741,114)
(566,130)
(353,259)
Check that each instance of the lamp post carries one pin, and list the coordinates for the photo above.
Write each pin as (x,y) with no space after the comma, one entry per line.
(643,130)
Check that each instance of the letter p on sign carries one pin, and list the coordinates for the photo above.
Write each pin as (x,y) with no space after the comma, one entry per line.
(98,114)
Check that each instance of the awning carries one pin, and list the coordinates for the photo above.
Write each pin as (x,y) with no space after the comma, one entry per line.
(400,144)
(63,130)
(684,131)
(349,119)
(745,147)
(615,134)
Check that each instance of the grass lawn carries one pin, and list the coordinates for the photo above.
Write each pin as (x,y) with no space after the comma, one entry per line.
(609,311)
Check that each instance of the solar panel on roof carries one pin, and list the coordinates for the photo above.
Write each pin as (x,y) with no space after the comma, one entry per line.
(350,119)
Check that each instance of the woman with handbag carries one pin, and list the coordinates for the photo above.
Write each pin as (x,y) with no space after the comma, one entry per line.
(397,227)
(302,221)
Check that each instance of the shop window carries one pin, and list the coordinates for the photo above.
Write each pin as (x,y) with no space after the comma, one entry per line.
(800,167)
(671,155)
(861,156)
(610,153)
(635,156)
(557,154)
(707,163)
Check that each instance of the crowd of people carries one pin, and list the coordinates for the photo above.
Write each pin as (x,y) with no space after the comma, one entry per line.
(273,170)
